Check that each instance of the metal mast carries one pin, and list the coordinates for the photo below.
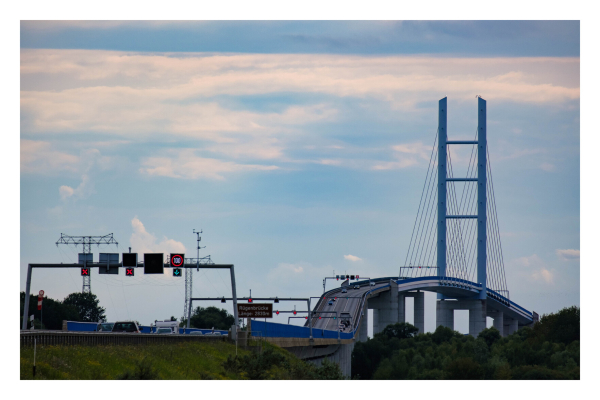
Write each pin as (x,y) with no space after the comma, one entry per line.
(188,273)
(86,242)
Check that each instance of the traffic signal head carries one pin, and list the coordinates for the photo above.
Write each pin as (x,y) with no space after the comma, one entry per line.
(129,272)
(85,272)
(337,277)
(334,317)
(294,312)
(177,272)
(276,299)
(277,312)
(249,300)
(305,317)
(319,317)
(352,277)
(223,300)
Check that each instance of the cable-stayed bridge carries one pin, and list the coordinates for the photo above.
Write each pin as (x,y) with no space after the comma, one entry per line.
(454,251)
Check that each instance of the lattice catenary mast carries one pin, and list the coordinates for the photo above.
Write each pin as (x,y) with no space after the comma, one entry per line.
(86,242)
(188,271)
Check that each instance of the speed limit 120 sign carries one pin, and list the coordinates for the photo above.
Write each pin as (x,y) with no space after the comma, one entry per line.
(177,260)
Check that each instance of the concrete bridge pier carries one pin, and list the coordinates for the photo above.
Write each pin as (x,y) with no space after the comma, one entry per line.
(498,317)
(444,314)
(510,326)
(477,314)
(363,330)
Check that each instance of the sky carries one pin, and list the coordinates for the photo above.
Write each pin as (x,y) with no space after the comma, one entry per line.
(300,148)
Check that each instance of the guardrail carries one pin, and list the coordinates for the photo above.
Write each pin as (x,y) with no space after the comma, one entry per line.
(60,338)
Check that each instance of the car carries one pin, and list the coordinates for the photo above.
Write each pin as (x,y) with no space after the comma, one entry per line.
(213,333)
(163,331)
(195,333)
(344,291)
(334,298)
(330,302)
(105,326)
(356,287)
(126,327)
(372,284)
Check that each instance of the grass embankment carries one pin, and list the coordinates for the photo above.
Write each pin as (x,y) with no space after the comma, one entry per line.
(189,360)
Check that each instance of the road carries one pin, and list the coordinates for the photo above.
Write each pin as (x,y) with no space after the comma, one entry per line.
(346,302)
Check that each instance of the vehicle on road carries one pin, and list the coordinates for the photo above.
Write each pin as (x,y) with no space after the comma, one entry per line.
(126,327)
(344,291)
(330,302)
(172,325)
(195,333)
(371,283)
(334,298)
(213,333)
(105,326)
(163,331)
(356,287)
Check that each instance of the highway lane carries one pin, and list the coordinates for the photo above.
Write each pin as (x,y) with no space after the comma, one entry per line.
(346,302)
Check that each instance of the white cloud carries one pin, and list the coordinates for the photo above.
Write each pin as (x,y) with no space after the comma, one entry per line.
(144,242)
(185,164)
(352,258)
(533,268)
(568,254)
(85,189)
(547,167)
(39,157)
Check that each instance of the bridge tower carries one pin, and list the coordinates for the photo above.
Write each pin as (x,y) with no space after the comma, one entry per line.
(481,180)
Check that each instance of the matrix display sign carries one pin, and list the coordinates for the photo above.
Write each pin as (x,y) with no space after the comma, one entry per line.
(153,263)
(177,272)
(129,271)
(130,259)
(177,260)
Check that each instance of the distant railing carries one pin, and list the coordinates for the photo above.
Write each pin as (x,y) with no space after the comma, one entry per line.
(61,338)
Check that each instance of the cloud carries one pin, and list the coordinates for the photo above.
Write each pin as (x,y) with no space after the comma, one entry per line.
(568,254)
(352,258)
(547,167)
(39,157)
(185,164)
(533,268)
(82,191)
(144,242)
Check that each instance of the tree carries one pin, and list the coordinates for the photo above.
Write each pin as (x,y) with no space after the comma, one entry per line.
(563,326)
(209,317)
(400,330)
(490,335)
(88,306)
(54,312)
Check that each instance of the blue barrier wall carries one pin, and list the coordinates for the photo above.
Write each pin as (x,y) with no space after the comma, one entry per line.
(273,329)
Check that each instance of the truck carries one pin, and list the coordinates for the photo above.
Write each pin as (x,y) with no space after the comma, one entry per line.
(172,325)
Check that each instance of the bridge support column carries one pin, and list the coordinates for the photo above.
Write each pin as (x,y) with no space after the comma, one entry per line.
(363,331)
(498,317)
(420,311)
(510,326)
(376,321)
(477,316)
(401,307)
(444,315)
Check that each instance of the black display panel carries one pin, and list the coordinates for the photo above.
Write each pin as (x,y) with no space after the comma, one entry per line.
(154,263)
(130,259)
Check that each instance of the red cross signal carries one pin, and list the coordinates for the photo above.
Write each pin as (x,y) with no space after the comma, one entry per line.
(129,272)
(85,272)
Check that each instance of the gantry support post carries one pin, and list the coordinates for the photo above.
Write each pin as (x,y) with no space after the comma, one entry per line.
(26,304)
(481,197)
